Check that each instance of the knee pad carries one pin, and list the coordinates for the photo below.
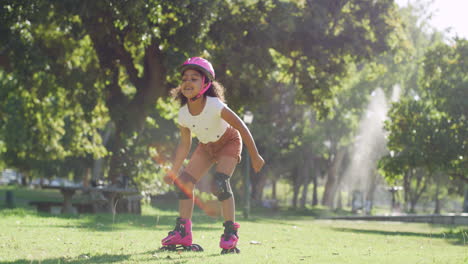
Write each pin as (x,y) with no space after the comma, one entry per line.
(222,187)
(182,192)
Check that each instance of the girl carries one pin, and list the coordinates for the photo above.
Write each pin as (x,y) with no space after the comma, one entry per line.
(219,131)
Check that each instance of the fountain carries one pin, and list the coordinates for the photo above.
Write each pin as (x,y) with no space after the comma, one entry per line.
(369,146)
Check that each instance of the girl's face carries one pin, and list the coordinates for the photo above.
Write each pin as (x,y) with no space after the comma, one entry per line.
(191,83)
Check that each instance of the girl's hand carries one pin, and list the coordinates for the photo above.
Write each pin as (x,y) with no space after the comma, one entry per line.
(257,162)
(170,177)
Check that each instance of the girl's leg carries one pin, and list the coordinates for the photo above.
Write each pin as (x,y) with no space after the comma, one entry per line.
(186,206)
(198,166)
(227,165)
(229,239)
(229,209)
(185,183)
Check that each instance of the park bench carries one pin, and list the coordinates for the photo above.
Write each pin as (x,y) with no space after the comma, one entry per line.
(110,199)
(46,206)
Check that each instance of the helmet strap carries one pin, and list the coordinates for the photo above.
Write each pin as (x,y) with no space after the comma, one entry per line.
(207,86)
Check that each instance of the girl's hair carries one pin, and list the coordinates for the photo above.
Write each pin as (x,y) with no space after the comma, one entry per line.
(216,90)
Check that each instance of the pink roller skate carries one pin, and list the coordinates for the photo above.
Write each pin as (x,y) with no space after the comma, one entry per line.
(180,238)
(229,239)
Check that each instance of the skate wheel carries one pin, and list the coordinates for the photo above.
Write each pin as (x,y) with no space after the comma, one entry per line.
(193,247)
(168,248)
(196,247)
(230,251)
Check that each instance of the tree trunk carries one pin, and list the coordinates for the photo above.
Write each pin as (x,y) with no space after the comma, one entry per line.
(369,203)
(407,189)
(25,180)
(315,181)
(327,199)
(87,177)
(273,189)
(340,175)
(332,180)
(127,113)
(305,187)
(296,186)
(412,209)
(465,202)
(98,165)
(116,165)
(421,184)
(437,200)
(339,202)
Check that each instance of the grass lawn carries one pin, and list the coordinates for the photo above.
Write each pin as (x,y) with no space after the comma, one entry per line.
(283,237)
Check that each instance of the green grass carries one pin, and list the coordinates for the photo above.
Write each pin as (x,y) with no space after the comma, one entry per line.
(283,237)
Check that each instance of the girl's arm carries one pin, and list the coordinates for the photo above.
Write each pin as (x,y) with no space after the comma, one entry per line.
(181,153)
(233,119)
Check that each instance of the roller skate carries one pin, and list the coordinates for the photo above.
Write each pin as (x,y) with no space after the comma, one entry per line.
(229,239)
(180,239)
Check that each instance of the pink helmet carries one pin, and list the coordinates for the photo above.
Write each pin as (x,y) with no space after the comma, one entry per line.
(198,63)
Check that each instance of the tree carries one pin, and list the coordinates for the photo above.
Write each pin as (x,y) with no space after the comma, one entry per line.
(113,51)
(429,133)
(38,130)
(303,46)
(121,57)
(411,136)
(320,39)
(444,83)
(329,37)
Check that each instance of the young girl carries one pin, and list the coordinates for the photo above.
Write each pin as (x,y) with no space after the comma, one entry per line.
(220,133)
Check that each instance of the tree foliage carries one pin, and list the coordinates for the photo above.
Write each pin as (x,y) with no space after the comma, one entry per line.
(104,57)
(74,66)
(431,131)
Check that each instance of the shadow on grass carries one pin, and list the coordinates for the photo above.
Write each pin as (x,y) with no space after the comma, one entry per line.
(455,237)
(286,215)
(105,258)
(258,214)
(149,256)
(103,222)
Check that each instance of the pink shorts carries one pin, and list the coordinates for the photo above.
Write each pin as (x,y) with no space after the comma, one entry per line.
(230,145)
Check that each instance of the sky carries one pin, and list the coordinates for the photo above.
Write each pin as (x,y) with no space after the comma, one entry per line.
(447,14)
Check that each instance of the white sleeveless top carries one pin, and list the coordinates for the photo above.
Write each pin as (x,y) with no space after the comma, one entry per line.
(208,126)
